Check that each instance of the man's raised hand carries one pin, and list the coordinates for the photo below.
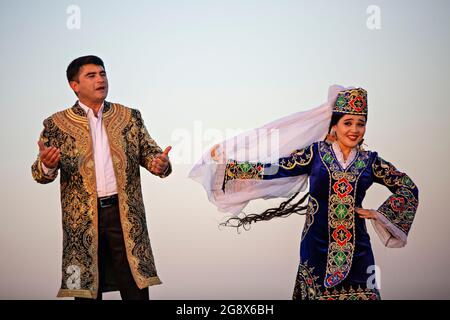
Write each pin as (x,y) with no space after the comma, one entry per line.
(49,156)
(161,162)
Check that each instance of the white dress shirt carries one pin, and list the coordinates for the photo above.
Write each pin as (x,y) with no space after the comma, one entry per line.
(104,171)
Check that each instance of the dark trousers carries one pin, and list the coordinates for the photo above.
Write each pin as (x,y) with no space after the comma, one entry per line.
(114,270)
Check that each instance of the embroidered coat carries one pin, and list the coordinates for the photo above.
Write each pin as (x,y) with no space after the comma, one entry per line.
(131,147)
(336,258)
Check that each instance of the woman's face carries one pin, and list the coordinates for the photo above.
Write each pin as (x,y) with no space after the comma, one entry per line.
(350,130)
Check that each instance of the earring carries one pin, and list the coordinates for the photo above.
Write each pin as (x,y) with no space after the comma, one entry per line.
(331,137)
(361,144)
(333,133)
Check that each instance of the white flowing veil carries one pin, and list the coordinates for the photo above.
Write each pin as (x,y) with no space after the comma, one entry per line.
(265,144)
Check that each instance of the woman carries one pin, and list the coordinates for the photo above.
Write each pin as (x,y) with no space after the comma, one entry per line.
(336,259)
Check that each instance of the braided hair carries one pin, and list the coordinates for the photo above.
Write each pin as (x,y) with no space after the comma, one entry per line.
(285,209)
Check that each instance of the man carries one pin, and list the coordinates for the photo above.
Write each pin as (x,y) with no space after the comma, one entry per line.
(98,147)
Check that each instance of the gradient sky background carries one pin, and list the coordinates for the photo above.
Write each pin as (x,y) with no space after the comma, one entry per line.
(227,65)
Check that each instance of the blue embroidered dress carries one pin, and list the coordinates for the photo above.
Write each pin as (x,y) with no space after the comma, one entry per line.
(335,252)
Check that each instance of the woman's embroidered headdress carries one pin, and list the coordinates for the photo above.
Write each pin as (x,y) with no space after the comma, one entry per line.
(352,101)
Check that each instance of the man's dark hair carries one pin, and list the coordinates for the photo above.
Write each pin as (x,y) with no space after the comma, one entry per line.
(74,67)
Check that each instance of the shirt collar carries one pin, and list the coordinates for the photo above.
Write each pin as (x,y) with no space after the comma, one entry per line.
(340,156)
(88,110)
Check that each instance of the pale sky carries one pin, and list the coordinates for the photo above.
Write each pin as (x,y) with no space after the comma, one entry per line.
(197,70)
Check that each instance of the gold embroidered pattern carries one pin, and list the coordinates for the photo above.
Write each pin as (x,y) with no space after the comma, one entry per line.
(341,216)
(130,146)
(400,208)
(305,283)
(300,157)
(77,163)
(306,288)
(313,207)
(352,101)
(247,170)
(350,294)
(242,170)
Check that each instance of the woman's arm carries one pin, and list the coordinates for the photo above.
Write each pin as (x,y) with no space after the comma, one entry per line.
(395,216)
(297,163)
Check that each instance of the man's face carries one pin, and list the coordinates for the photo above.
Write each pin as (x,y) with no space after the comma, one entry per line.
(92,84)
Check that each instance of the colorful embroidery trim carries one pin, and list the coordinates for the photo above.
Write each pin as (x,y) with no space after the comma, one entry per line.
(353,101)
(313,207)
(341,220)
(306,288)
(400,208)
